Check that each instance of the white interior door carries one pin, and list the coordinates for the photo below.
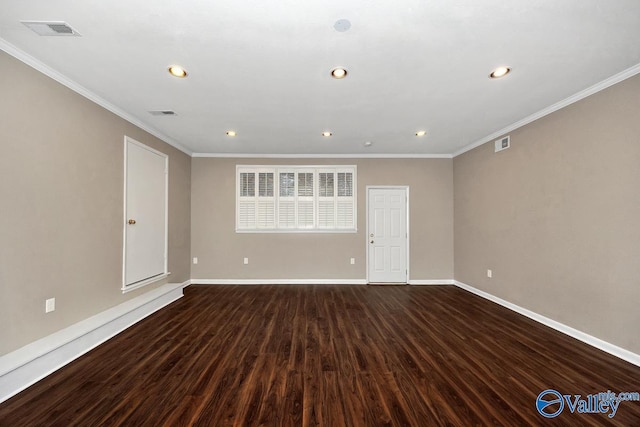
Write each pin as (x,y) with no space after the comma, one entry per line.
(387,235)
(145,235)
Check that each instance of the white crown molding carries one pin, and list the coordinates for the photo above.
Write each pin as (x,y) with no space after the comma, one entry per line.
(560,327)
(432,282)
(81,90)
(29,364)
(278,282)
(617,78)
(322,156)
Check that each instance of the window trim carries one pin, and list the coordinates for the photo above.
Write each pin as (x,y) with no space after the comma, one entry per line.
(315,169)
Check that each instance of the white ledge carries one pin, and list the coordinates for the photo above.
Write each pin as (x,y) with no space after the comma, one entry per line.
(29,364)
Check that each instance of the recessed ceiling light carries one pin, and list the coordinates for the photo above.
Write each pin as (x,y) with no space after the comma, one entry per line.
(177,71)
(326,134)
(368,144)
(500,72)
(231,133)
(338,73)
(421,133)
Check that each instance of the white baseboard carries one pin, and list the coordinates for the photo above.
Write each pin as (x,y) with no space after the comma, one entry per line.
(579,335)
(432,282)
(307,282)
(278,282)
(29,364)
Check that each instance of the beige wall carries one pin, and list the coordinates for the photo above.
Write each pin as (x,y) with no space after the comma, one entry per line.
(220,250)
(61,203)
(557,216)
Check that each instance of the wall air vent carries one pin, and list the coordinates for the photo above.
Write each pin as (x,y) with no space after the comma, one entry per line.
(162,113)
(503,143)
(48,28)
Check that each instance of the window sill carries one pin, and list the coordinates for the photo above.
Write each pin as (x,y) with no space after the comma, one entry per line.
(285,231)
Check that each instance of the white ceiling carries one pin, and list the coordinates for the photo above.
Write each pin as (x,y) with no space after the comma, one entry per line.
(261,67)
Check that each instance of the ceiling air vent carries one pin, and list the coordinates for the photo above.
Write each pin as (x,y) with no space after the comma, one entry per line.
(503,143)
(57,28)
(162,113)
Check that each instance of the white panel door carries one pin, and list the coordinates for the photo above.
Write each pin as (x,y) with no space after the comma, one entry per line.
(387,235)
(145,213)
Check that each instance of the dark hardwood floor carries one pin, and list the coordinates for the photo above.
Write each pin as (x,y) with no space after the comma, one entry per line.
(329,356)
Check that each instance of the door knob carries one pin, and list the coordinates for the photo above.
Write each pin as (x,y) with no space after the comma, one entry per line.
(132,221)
(372,241)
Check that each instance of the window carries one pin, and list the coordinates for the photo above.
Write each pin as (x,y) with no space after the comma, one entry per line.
(295,198)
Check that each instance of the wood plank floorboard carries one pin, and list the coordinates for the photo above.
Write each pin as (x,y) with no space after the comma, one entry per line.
(327,355)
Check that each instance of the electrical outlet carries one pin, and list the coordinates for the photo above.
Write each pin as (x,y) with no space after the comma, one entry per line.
(353,261)
(489,273)
(246,261)
(195,259)
(50,305)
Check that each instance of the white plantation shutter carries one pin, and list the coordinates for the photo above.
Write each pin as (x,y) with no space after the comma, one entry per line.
(266,217)
(306,214)
(326,184)
(247,184)
(265,184)
(306,204)
(266,203)
(326,200)
(305,184)
(344,217)
(345,184)
(286,200)
(246,218)
(326,214)
(304,198)
(286,214)
(345,201)
(246,214)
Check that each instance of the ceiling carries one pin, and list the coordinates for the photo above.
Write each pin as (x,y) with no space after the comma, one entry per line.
(262,67)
